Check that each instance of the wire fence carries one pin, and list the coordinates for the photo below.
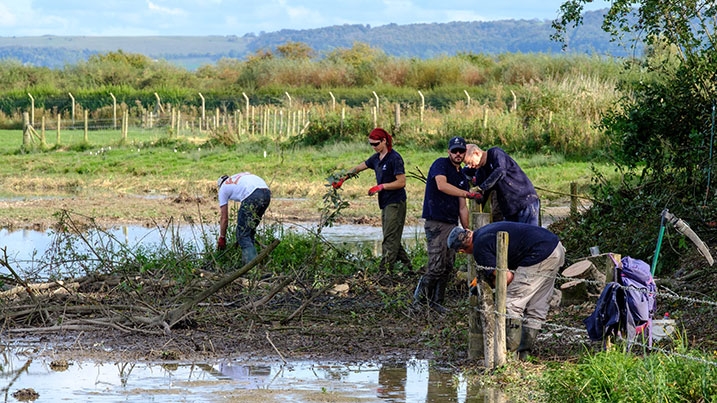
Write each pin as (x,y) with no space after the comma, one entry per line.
(578,333)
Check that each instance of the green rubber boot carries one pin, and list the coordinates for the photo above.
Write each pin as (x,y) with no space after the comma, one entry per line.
(527,340)
(513,333)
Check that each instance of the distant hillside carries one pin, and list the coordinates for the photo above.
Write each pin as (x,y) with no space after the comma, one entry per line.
(412,40)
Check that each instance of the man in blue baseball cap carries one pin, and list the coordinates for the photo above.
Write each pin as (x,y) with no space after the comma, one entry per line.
(444,206)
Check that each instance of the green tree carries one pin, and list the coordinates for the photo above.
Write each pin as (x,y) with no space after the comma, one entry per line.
(295,51)
(662,130)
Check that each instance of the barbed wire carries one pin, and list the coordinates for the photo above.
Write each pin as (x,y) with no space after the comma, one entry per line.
(582,332)
(600,284)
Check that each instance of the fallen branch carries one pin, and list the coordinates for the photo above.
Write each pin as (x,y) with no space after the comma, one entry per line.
(306,303)
(269,296)
(174,316)
(275,349)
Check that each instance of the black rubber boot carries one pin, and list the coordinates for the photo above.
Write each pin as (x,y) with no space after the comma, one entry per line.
(439,295)
(424,291)
(513,334)
(527,340)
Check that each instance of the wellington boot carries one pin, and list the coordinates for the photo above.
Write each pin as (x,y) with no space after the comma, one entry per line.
(513,333)
(527,340)
(424,292)
(439,294)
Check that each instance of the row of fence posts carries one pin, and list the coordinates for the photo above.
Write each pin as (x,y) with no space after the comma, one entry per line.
(270,120)
(486,333)
(31,136)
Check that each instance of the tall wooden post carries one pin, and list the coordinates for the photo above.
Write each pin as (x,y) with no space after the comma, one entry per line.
(501,286)
(397,117)
(114,111)
(26,135)
(42,132)
(73,110)
(32,109)
(573,198)
(480,324)
(86,117)
(59,120)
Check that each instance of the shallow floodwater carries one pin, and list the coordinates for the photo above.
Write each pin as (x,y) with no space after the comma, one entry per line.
(25,248)
(234,380)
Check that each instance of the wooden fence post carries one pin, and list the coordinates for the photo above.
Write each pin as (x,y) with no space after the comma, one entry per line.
(26,135)
(32,109)
(114,111)
(59,117)
(86,118)
(481,304)
(378,110)
(73,109)
(246,110)
(573,198)
(397,117)
(42,132)
(204,113)
(423,104)
(501,285)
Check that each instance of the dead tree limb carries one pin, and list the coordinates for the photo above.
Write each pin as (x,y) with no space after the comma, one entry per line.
(269,296)
(172,317)
(306,303)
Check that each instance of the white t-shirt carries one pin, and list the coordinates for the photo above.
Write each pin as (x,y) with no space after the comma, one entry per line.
(239,186)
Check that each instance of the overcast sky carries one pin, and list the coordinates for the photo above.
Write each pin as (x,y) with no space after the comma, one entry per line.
(239,17)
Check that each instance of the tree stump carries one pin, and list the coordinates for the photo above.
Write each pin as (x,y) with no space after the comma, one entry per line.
(574,292)
(589,279)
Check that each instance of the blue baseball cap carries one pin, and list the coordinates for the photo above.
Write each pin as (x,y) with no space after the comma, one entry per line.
(456,142)
(457,238)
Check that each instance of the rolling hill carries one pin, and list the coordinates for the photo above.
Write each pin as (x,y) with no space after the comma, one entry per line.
(412,40)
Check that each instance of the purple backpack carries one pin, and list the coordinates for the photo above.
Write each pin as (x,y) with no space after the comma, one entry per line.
(626,305)
(640,296)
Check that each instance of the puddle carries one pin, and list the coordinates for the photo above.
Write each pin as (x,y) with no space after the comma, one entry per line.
(235,380)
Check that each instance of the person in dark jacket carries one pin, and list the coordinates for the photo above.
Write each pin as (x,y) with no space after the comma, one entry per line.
(495,170)
(444,205)
(534,257)
(387,164)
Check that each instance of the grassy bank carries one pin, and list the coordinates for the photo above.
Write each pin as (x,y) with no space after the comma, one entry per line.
(153,163)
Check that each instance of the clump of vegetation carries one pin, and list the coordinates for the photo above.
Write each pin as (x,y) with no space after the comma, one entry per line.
(617,376)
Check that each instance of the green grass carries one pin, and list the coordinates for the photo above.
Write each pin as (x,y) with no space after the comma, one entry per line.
(616,376)
(150,161)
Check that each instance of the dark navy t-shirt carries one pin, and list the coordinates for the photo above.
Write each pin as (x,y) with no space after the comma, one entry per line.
(438,206)
(527,244)
(386,171)
(502,173)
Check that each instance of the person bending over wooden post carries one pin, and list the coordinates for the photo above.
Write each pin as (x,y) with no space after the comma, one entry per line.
(534,257)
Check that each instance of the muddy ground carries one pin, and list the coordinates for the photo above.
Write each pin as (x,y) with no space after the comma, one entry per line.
(362,318)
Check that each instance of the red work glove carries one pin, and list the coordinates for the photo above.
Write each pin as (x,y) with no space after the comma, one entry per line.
(337,185)
(221,243)
(475,196)
(375,189)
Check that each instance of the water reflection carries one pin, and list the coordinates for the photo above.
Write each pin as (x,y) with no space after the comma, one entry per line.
(25,248)
(229,380)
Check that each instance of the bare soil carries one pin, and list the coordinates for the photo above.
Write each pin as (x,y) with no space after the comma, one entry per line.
(363,318)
